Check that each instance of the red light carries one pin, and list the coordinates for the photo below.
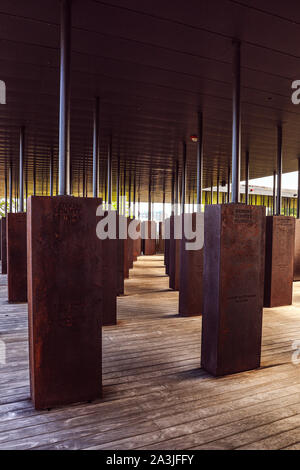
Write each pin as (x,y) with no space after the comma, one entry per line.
(194,138)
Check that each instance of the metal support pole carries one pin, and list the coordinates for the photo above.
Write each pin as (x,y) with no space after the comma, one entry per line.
(21,170)
(298,195)
(83,178)
(51,173)
(34,177)
(228,184)
(247,178)
(183,182)
(109,173)
(64,98)
(10,186)
(95,147)
(129,193)
(149,198)
(5,190)
(124,190)
(218,188)
(164,198)
(134,192)
(274,192)
(118,186)
(279,169)
(176,187)
(199,161)
(236,124)
(211,192)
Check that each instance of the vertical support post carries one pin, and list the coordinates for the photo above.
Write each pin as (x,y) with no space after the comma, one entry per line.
(34,177)
(164,198)
(211,192)
(134,192)
(218,188)
(236,123)
(274,192)
(10,185)
(176,187)
(51,173)
(129,192)
(247,178)
(183,182)
(109,173)
(64,98)
(279,169)
(124,190)
(118,186)
(21,170)
(228,184)
(149,197)
(95,147)
(199,161)
(298,194)
(5,190)
(83,177)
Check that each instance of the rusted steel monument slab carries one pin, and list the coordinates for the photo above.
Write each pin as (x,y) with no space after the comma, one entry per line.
(149,237)
(233,283)
(109,248)
(160,241)
(191,276)
(279,270)
(174,254)
(297,251)
(65,300)
(16,257)
(3,246)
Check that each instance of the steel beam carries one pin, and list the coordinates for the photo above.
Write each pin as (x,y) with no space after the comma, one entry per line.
(247,178)
(199,161)
(279,169)
(64,98)
(183,182)
(21,169)
(298,195)
(109,173)
(236,123)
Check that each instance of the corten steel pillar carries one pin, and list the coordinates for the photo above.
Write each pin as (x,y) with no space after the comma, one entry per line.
(175,238)
(247,179)
(95,147)
(120,247)
(191,268)
(199,161)
(16,240)
(109,173)
(218,189)
(297,233)
(280,242)
(148,227)
(274,192)
(228,185)
(65,278)
(168,224)
(233,272)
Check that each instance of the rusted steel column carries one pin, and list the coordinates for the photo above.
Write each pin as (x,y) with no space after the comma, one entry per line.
(218,188)
(228,184)
(247,178)
(5,190)
(279,169)
(64,98)
(149,197)
(95,147)
(176,187)
(199,161)
(21,169)
(118,186)
(236,123)
(129,192)
(274,192)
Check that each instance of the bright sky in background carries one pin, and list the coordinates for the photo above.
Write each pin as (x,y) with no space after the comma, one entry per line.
(289,181)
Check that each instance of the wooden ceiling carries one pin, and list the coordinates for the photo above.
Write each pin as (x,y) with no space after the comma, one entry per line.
(154,65)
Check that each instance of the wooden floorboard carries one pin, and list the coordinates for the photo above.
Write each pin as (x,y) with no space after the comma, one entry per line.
(156,396)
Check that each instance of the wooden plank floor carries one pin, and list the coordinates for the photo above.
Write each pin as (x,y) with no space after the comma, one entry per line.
(155,394)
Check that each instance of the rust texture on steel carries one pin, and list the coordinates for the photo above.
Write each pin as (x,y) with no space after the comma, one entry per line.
(16,257)
(167,248)
(233,280)
(160,241)
(137,244)
(65,300)
(109,249)
(149,227)
(297,251)
(191,276)
(174,256)
(120,262)
(279,269)
(3,246)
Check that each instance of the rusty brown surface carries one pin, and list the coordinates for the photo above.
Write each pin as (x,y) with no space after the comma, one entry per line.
(120,262)
(160,247)
(174,257)
(65,300)
(279,269)
(297,251)
(137,245)
(149,243)
(233,280)
(16,257)
(191,277)
(3,247)
(109,249)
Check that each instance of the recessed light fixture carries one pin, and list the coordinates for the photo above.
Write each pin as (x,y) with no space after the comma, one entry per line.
(194,138)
